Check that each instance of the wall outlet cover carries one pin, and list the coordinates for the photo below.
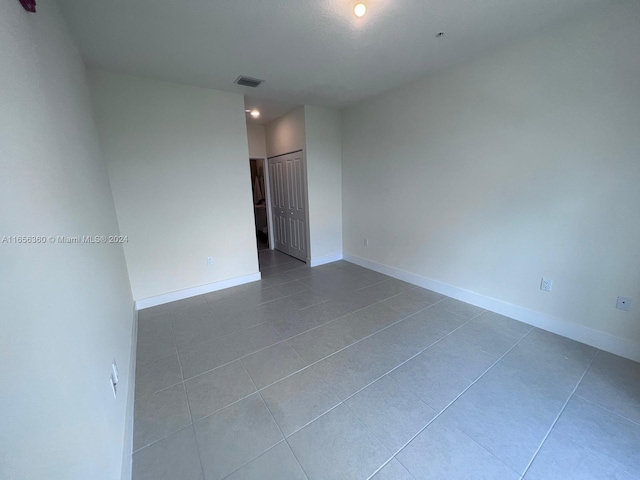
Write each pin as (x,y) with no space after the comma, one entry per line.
(546,284)
(113,383)
(114,370)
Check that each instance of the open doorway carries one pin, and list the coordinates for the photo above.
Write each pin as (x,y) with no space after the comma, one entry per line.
(259,203)
(288,186)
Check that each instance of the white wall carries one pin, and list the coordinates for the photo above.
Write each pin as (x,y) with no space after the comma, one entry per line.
(286,134)
(520,164)
(179,168)
(324,170)
(256,138)
(66,310)
(317,131)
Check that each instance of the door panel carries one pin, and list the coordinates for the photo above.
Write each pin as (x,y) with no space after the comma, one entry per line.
(278,208)
(288,187)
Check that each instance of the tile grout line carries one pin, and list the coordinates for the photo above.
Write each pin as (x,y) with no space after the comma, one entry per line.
(271,323)
(573,394)
(247,463)
(343,402)
(599,454)
(393,455)
(183,381)
(608,410)
(161,390)
(191,424)
(460,395)
(258,390)
(403,362)
(387,463)
(184,386)
(373,433)
(233,403)
(308,423)
(286,340)
(226,406)
(304,368)
(564,406)
(413,287)
(350,313)
(177,353)
(299,308)
(358,341)
(404,388)
(359,310)
(284,437)
(317,416)
(381,467)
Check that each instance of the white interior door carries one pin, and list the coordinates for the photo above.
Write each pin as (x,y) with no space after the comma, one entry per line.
(278,204)
(287,175)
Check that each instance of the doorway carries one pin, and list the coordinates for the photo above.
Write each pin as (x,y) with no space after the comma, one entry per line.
(288,187)
(259,203)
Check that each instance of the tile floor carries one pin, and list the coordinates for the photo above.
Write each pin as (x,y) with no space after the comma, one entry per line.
(339,372)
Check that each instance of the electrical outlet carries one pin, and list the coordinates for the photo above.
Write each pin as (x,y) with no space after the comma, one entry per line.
(546,285)
(366,242)
(114,385)
(623,303)
(114,370)
(113,377)
(210,261)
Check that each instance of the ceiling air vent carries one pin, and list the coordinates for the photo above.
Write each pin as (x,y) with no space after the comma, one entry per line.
(248,81)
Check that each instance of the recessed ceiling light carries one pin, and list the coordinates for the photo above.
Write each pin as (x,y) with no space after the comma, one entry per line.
(360,9)
(248,111)
(255,113)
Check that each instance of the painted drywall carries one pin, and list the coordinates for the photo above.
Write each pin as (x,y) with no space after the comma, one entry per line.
(256,138)
(179,167)
(66,309)
(323,129)
(316,131)
(517,165)
(286,134)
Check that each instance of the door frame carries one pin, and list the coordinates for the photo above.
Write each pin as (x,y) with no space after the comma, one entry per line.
(306,200)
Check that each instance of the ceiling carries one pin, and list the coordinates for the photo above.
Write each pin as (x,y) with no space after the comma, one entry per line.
(308,51)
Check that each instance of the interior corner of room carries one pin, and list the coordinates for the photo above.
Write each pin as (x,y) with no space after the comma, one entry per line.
(475,181)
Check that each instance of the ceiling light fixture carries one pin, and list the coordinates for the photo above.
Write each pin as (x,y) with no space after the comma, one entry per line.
(255,113)
(360,9)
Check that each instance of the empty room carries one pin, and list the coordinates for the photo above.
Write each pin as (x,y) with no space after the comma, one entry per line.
(341,239)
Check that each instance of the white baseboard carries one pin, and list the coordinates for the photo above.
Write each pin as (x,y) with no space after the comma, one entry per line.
(127,459)
(314,262)
(580,333)
(195,291)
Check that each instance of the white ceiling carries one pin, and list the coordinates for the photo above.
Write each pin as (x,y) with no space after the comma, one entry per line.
(307,51)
